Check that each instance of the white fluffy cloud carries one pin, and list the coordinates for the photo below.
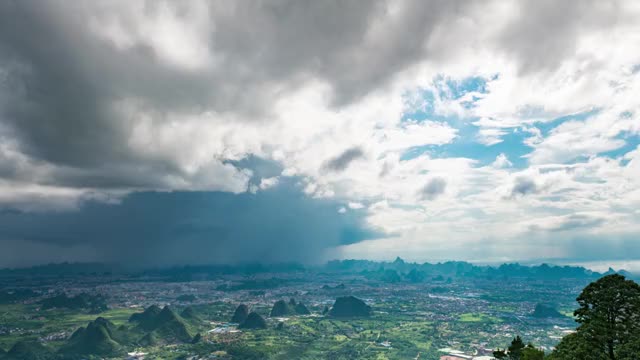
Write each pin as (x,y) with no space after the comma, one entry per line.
(172,96)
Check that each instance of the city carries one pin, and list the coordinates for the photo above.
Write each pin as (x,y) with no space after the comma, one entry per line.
(427,311)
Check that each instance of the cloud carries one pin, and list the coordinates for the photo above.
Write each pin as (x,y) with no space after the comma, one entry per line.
(567,223)
(152,228)
(501,161)
(342,161)
(524,186)
(434,188)
(266,183)
(340,103)
(355,205)
(598,133)
(542,34)
(490,137)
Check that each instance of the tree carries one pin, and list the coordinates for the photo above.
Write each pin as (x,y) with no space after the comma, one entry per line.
(531,353)
(609,314)
(500,354)
(574,346)
(630,350)
(515,351)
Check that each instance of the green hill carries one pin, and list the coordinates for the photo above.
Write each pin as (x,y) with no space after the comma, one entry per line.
(301,309)
(349,306)
(190,314)
(150,339)
(543,311)
(28,350)
(171,326)
(253,321)
(146,319)
(281,308)
(100,337)
(166,324)
(240,315)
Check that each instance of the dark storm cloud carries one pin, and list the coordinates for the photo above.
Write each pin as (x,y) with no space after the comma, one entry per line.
(186,227)
(543,32)
(343,160)
(62,80)
(60,84)
(434,188)
(524,186)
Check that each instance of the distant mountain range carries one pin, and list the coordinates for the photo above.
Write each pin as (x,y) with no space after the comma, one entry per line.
(395,271)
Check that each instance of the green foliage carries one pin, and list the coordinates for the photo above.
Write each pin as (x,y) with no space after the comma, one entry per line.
(515,349)
(630,350)
(518,351)
(609,313)
(531,353)
(575,346)
(500,354)
(240,351)
(609,317)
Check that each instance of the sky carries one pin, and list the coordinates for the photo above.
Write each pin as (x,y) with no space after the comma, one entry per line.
(195,132)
